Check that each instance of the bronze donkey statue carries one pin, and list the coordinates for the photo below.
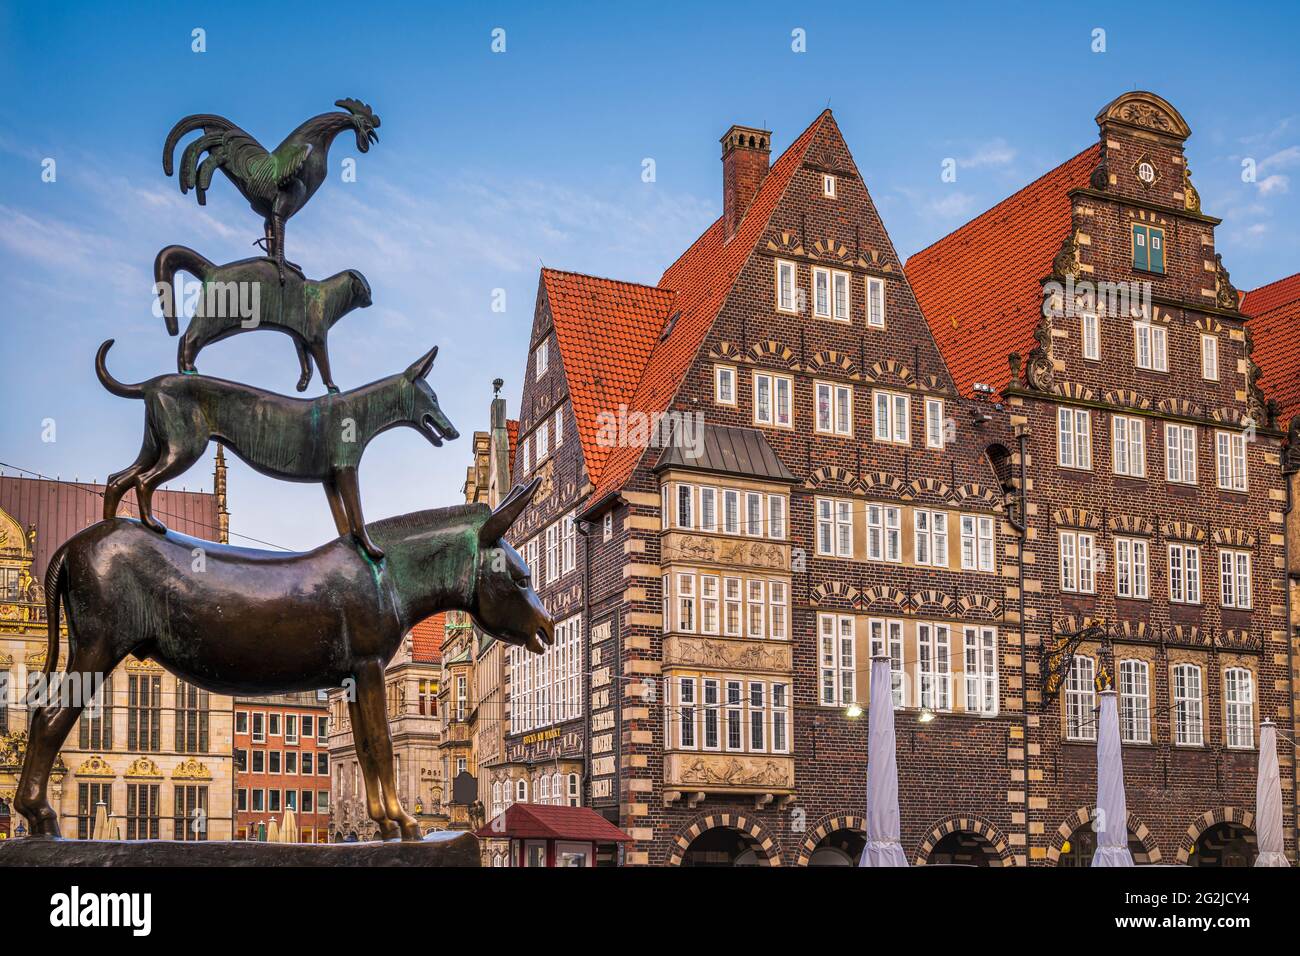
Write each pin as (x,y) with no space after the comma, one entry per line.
(294,439)
(303,309)
(262,622)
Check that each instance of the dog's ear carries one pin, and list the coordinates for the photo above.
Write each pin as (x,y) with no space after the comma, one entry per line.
(422,365)
(499,522)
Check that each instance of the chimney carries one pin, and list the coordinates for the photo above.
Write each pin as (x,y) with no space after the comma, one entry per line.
(746,152)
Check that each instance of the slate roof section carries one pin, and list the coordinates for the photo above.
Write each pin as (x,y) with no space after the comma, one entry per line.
(1273,318)
(726,450)
(980,287)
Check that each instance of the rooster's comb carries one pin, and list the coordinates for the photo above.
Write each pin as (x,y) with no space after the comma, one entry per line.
(357,108)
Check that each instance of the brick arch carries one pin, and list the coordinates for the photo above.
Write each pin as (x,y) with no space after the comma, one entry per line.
(768,853)
(775,351)
(829,824)
(831,475)
(884,480)
(928,487)
(1209,818)
(1083,817)
(887,369)
(979,605)
(969,823)
(831,360)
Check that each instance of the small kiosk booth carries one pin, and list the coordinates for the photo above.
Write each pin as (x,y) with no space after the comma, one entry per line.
(542,835)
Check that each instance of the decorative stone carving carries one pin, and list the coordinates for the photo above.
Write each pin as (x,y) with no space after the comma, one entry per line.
(96,766)
(1039,371)
(1067,261)
(191,769)
(727,654)
(1191,198)
(729,772)
(1225,294)
(144,767)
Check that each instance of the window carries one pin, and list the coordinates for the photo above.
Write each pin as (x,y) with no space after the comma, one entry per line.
(724,385)
(544,688)
(884,533)
(1074,438)
(524,450)
(144,714)
(934,666)
(838,659)
(568,544)
(273,724)
(709,620)
(559,427)
(785,286)
(1134,702)
(754,717)
(981,670)
(876,303)
(780,707)
(887,638)
(934,423)
(462,696)
(757,722)
(1210,358)
(322,730)
(732,605)
(552,553)
(1231,450)
(1081,699)
(1091,336)
(521,791)
(291,761)
(708,509)
(753,513)
(776,516)
(976,543)
(835,527)
(543,442)
(755,608)
(190,813)
(241,722)
(191,718)
(891,418)
(273,758)
(259,761)
(607,526)
(1180,453)
(686,602)
(834,411)
(542,357)
(1189,730)
(1077,563)
(686,713)
(734,714)
(1234,578)
(772,399)
(1131,575)
(822,293)
(1148,249)
(531,559)
(142,811)
(1128,444)
(828,185)
(89,797)
(777,612)
(1238,708)
(731,511)
(574,800)
(931,537)
(840,302)
(1149,346)
(96,731)
(1185,573)
(290,728)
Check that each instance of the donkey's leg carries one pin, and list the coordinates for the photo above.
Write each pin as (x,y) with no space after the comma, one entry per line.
(48,729)
(339,512)
(345,479)
(320,352)
(365,757)
(370,700)
(304,360)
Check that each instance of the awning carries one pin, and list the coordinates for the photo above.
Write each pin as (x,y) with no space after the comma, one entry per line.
(530,821)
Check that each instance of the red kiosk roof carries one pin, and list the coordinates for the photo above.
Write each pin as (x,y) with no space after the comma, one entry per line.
(529,821)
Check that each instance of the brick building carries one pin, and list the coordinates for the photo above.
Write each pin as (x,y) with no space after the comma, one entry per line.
(1092,303)
(282,763)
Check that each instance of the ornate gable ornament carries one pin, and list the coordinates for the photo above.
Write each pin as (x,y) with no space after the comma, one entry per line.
(1067,262)
(1225,294)
(96,766)
(191,769)
(145,768)
(1191,198)
(1146,112)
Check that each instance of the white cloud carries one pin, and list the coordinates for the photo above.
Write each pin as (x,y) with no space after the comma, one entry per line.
(995,152)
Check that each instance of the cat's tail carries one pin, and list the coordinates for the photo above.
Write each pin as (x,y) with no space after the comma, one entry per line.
(113,385)
(166,264)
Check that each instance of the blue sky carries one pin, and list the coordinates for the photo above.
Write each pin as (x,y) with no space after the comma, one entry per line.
(491,164)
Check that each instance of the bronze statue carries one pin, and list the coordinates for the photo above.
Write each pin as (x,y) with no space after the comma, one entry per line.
(276,184)
(263,622)
(295,439)
(304,309)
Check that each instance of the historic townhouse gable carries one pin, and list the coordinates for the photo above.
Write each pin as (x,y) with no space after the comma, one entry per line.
(1094,304)
(827,494)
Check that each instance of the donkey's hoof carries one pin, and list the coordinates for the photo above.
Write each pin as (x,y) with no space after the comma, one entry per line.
(388,830)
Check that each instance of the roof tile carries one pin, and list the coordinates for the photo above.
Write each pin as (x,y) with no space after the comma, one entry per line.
(1273,314)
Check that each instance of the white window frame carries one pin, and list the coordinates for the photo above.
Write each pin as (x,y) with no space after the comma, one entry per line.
(774,383)
(1128,446)
(1078,561)
(1209,357)
(1081,699)
(787,287)
(930,537)
(1090,336)
(753,514)
(683,506)
(1184,573)
(776,517)
(894,426)
(841,296)
(837,653)
(887,637)
(731,519)
(721,374)
(980,671)
(1230,454)
(875,302)
(552,553)
(559,426)
(828,185)
(884,533)
(839,418)
(541,358)
(1238,708)
(978,543)
(1134,701)
(1188,693)
(1132,568)
(568,544)
(708,509)
(1234,579)
(1180,453)
(821,292)
(1150,346)
(934,666)
(934,423)
(834,517)
(1074,438)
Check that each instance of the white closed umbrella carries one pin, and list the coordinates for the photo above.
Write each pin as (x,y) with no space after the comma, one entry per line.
(1111,822)
(883,821)
(100,831)
(1268,801)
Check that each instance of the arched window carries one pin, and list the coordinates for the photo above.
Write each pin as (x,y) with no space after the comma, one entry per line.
(496,797)
(521,790)
(557,790)
(544,791)
(1239,708)
(1189,729)
(574,801)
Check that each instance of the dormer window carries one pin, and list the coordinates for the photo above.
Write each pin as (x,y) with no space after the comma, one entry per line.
(1149,249)
(828,185)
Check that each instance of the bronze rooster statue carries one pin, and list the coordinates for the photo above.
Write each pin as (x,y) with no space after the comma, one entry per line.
(276,184)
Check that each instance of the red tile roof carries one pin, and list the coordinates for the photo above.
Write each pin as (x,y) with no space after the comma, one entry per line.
(532,821)
(980,287)
(426,639)
(606,330)
(1274,324)
(701,280)
(59,509)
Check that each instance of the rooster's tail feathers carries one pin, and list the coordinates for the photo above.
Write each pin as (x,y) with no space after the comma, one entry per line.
(207,122)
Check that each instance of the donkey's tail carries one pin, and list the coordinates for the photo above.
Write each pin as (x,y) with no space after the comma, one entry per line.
(119,389)
(168,262)
(56,585)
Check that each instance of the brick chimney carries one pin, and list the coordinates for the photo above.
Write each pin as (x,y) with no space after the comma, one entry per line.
(746,152)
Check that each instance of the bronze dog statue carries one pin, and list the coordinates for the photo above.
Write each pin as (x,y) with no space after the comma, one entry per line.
(337,618)
(304,309)
(294,439)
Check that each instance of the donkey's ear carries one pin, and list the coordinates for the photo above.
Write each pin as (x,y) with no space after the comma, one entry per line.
(499,522)
(422,365)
